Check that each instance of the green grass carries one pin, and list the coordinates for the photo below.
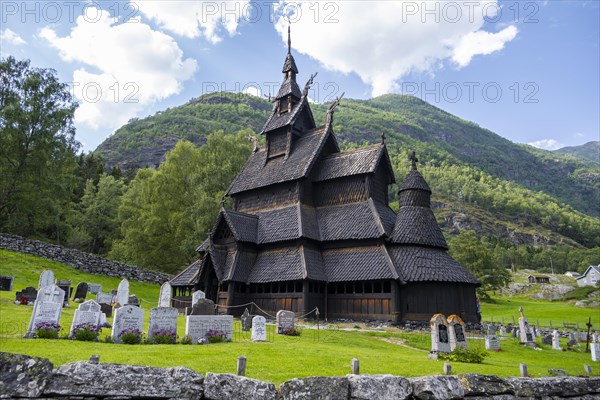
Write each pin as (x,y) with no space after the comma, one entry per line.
(327,352)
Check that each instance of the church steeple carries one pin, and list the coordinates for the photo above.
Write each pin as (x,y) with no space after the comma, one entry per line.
(289,87)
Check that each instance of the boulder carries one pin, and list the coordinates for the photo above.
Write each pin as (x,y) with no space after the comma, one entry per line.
(23,376)
(115,380)
(437,387)
(229,387)
(482,385)
(555,386)
(380,387)
(315,388)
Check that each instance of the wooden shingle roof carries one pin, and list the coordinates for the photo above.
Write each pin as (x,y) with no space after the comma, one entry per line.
(243,226)
(187,276)
(418,226)
(358,263)
(414,180)
(349,221)
(360,161)
(277,265)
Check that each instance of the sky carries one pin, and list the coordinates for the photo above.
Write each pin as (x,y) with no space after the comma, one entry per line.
(526,70)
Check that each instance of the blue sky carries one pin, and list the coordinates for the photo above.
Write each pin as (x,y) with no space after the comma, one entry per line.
(527,70)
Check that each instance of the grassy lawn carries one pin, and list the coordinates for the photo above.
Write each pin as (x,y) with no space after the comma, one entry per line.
(325,352)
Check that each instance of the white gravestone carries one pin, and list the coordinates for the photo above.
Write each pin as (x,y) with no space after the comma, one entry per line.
(502,331)
(196,326)
(456,332)
(106,298)
(439,334)
(525,332)
(259,329)
(46,279)
(556,341)
(164,299)
(127,317)
(103,321)
(197,295)
(492,342)
(164,319)
(285,320)
(94,288)
(595,347)
(88,312)
(47,308)
(123,292)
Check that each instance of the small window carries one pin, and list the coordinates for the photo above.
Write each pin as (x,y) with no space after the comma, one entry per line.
(331,289)
(274,288)
(253,288)
(368,287)
(387,287)
(376,287)
(349,288)
(340,288)
(299,288)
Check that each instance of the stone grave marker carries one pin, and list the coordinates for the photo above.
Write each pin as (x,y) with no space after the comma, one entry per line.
(502,331)
(259,329)
(88,312)
(196,296)
(163,319)
(6,283)
(285,320)
(196,326)
(94,288)
(492,329)
(202,307)
(65,284)
(47,308)
(133,300)
(439,335)
(28,293)
(246,320)
(164,299)
(596,337)
(456,332)
(46,279)
(492,342)
(556,341)
(525,333)
(106,309)
(127,317)
(547,339)
(104,298)
(103,321)
(595,348)
(81,291)
(123,292)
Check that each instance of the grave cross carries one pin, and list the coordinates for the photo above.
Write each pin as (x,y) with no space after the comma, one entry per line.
(587,339)
(52,296)
(521,311)
(414,160)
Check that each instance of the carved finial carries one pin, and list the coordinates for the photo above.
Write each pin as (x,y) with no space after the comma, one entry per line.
(254,141)
(414,160)
(289,39)
(308,84)
(223,202)
(331,109)
(383,138)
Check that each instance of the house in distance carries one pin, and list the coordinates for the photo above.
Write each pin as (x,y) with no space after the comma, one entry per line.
(311,227)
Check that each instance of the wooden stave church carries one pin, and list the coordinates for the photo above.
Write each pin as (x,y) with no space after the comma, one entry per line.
(311,227)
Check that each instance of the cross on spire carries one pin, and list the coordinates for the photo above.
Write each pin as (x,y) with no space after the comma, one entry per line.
(414,160)
(383,138)
(289,39)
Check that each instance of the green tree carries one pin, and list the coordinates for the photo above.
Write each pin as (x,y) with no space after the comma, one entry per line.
(37,150)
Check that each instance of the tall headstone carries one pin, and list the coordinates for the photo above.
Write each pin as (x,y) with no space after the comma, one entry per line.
(285,320)
(439,335)
(525,333)
(47,308)
(88,312)
(246,319)
(6,283)
(164,298)
(81,291)
(162,319)
(502,331)
(259,329)
(127,317)
(456,332)
(94,288)
(123,292)
(65,284)
(556,340)
(196,296)
(202,307)
(104,298)
(46,279)
(196,326)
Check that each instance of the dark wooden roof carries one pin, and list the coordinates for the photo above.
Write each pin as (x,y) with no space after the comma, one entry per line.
(358,264)
(289,64)
(203,247)
(287,264)
(417,225)
(187,276)
(360,161)
(350,221)
(414,180)
(289,87)
(243,226)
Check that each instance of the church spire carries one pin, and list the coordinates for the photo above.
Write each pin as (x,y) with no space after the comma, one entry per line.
(289,40)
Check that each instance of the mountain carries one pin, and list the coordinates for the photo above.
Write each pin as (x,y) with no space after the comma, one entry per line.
(511,190)
(586,152)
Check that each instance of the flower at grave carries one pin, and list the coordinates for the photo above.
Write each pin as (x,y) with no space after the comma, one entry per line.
(23,301)
(86,332)
(291,331)
(47,330)
(186,340)
(216,336)
(164,336)
(131,336)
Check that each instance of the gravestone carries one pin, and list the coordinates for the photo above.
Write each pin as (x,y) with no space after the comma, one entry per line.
(6,283)
(88,312)
(28,293)
(596,337)
(46,279)
(106,309)
(196,296)
(103,321)
(162,319)
(47,308)
(133,300)
(525,333)
(556,340)
(65,284)
(81,291)
(285,320)
(164,298)
(502,331)
(196,326)
(104,298)
(259,329)
(202,307)
(595,348)
(246,320)
(439,335)
(492,342)
(127,317)
(456,332)
(123,292)
(547,339)
(94,288)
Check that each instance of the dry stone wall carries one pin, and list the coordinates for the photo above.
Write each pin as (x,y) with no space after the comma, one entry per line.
(79,260)
(34,378)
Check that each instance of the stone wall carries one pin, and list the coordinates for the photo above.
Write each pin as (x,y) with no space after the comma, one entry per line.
(82,261)
(34,378)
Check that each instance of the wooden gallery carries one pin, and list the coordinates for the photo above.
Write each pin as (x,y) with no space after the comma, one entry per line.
(311,227)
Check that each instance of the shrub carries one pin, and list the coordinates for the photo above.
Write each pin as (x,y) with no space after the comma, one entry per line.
(292,331)
(86,332)
(164,336)
(462,354)
(216,336)
(131,336)
(186,340)
(47,330)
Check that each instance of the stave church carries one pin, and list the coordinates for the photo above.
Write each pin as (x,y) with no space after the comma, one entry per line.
(311,226)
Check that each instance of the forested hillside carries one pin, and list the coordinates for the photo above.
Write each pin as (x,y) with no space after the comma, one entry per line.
(587,152)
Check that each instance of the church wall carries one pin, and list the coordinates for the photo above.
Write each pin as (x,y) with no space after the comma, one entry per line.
(419,301)
(361,300)
(345,190)
(378,186)
(272,196)
(277,142)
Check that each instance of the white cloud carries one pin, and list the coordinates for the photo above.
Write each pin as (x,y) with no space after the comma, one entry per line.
(253,91)
(136,67)
(546,144)
(11,37)
(382,41)
(193,19)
